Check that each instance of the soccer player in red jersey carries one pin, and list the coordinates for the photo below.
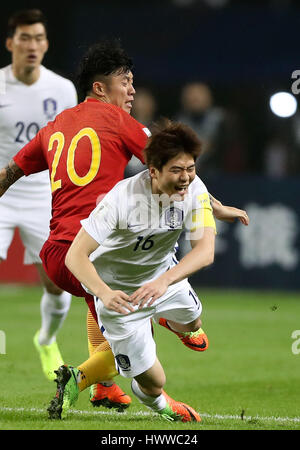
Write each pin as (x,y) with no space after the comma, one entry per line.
(86,149)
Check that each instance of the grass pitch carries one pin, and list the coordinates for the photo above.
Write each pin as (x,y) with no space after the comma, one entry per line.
(248,379)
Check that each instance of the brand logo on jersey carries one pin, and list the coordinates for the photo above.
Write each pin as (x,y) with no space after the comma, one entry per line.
(147,131)
(173,217)
(50,108)
(123,361)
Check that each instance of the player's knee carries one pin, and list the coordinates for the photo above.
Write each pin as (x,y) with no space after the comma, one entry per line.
(47,283)
(51,288)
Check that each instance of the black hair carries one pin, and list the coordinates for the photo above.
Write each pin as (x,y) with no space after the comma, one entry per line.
(168,140)
(25,17)
(100,61)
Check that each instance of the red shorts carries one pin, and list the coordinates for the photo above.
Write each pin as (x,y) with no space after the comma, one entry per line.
(53,256)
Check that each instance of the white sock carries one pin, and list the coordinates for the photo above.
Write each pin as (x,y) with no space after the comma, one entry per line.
(54,309)
(154,403)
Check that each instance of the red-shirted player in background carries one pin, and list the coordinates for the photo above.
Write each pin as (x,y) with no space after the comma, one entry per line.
(86,149)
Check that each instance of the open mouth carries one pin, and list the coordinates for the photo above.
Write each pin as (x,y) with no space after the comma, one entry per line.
(181,192)
(31,58)
(183,188)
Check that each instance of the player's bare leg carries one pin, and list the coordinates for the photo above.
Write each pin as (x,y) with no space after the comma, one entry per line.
(55,305)
(148,388)
(185,327)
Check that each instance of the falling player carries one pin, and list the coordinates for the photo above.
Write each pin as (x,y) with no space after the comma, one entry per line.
(124,256)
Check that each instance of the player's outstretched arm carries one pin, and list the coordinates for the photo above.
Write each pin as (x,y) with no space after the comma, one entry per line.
(228,213)
(9,175)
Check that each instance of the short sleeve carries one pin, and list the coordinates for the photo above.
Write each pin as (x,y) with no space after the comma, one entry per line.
(200,213)
(31,157)
(134,135)
(103,220)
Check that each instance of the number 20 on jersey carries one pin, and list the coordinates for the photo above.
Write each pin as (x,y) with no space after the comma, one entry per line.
(59,138)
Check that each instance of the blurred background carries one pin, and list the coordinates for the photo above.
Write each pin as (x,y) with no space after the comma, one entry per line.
(215,65)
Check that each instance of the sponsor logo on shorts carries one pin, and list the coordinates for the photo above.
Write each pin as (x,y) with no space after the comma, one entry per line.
(123,362)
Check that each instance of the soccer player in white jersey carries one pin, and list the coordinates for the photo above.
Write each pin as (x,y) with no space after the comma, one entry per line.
(31,96)
(124,256)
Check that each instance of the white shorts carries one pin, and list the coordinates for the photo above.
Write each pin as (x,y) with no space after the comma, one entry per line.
(130,335)
(32,219)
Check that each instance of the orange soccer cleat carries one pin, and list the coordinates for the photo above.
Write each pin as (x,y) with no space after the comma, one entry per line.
(178,411)
(109,396)
(196,340)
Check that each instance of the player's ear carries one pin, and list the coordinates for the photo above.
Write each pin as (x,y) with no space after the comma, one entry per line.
(8,44)
(152,172)
(99,89)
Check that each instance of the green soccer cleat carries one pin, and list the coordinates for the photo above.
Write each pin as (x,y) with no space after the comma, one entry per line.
(66,394)
(50,357)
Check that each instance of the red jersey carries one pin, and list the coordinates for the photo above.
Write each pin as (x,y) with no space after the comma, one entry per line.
(86,149)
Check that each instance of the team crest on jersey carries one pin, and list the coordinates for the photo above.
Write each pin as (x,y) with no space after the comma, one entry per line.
(123,361)
(50,108)
(173,217)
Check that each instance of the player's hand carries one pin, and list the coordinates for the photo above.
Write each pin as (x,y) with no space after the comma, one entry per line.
(148,293)
(243,217)
(117,301)
(229,214)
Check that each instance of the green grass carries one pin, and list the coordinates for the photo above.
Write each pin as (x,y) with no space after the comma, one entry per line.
(245,380)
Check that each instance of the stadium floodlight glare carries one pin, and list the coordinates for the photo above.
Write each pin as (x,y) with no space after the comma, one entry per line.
(283,104)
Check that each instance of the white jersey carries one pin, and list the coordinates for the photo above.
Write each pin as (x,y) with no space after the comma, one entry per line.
(23,111)
(137,231)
